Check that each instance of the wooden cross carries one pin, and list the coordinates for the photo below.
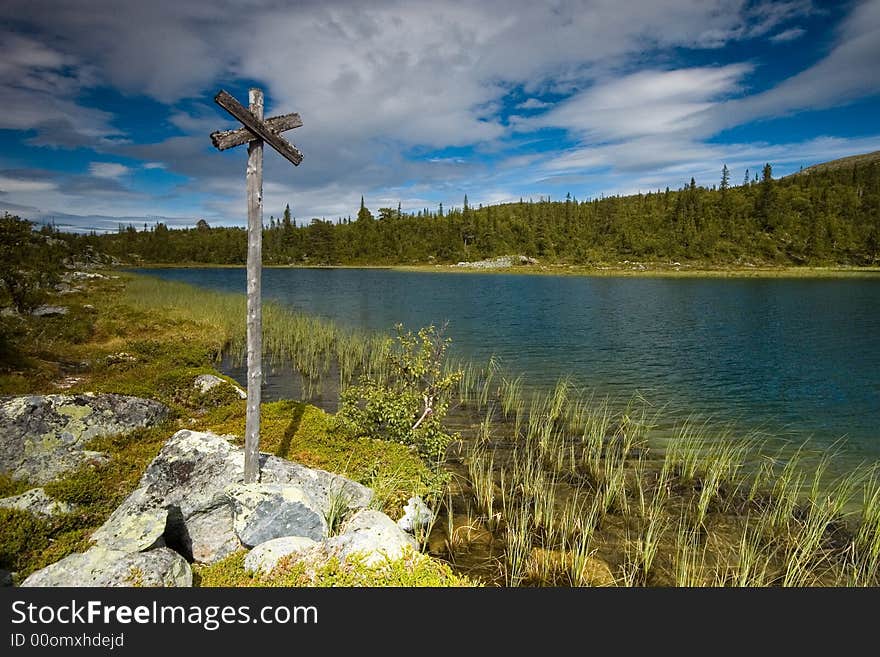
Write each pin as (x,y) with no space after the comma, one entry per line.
(254,133)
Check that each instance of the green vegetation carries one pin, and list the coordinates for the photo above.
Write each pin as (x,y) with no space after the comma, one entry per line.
(29,263)
(827,215)
(414,569)
(409,403)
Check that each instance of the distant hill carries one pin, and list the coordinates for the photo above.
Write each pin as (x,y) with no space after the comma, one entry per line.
(844,163)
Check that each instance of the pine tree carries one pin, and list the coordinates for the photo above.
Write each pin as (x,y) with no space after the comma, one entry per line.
(725,179)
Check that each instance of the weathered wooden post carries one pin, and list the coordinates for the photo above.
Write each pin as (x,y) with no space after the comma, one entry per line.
(254,133)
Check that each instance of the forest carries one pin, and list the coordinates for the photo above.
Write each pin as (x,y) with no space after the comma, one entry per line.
(821,216)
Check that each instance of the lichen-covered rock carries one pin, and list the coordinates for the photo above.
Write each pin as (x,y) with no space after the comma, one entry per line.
(325,488)
(265,556)
(42,437)
(417,516)
(205,383)
(372,535)
(189,479)
(37,502)
(133,528)
(100,566)
(267,511)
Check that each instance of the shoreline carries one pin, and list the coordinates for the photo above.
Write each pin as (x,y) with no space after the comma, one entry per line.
(641,270)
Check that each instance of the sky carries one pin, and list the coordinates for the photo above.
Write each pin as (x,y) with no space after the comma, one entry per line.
(107,105)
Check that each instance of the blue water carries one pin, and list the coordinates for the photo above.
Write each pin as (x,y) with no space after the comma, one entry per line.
(798,358)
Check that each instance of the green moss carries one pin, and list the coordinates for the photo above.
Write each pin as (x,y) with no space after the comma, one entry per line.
(21,535)
(414,569)
(306,434)
(10,486)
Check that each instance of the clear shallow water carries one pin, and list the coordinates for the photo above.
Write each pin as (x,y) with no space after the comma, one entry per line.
(794,357)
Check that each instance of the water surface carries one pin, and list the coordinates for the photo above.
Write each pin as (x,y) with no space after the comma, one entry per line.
(795,357)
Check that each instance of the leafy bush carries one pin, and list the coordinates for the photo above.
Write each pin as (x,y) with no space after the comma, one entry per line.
(29,263)
(409,404)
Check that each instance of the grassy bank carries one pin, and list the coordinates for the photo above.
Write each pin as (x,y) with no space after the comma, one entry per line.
(660,270)
(635,270)
(545,487)
(118,337)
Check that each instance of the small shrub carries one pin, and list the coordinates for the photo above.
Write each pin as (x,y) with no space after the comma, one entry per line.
(409,404)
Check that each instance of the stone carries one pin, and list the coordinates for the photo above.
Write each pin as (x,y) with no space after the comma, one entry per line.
(267,511)
(372,535)
(417,517)
(323,487)
(593,572)
(499,262)
(37,502)
(204,383)
(100,566)
(265,556)
(188,481)
(128,531)
(5,578)
(209,536)
(42,437)
(49,311)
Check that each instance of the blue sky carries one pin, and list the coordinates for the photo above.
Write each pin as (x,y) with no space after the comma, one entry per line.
(108,103)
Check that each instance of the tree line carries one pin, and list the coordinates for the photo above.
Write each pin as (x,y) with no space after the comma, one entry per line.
(823,217)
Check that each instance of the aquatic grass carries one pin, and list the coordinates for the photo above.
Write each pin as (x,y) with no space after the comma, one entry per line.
(510,394)
(689,559)
(482,476)
(753,568)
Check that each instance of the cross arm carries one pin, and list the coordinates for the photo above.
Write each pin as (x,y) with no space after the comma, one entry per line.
(259,128)
(223,139)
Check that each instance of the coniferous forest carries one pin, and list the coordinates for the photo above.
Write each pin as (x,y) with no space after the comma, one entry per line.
(821,216)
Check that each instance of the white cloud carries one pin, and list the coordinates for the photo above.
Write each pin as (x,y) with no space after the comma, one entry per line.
(849,71)
(8,185)
(533,103)
(108,169)
(153,165)
(643,103)
(788,35)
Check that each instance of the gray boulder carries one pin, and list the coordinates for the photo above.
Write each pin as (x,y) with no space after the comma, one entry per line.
(5,578)
(135,525)
(205,383)
(187,484)
(42,437)
(37,502)
(372,535)
(100,566)
(267,511)
(265,556)
(49,311)
(214,533)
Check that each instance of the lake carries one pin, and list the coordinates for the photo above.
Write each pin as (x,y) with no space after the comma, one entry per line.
(798,358)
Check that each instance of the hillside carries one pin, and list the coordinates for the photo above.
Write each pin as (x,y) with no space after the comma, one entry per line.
(830,217)
(844,163)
